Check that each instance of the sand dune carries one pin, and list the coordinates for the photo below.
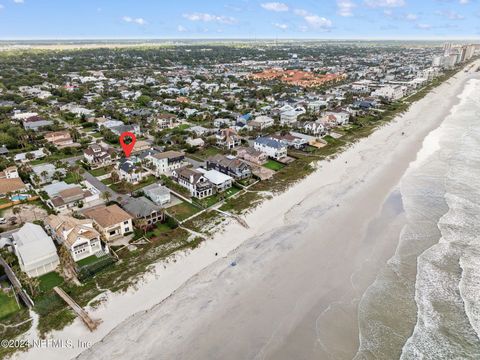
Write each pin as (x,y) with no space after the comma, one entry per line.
(308,256)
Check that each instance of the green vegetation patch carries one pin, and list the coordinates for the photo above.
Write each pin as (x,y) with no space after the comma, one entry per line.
(8,304)
(273,165)
(183,211)
(49,281)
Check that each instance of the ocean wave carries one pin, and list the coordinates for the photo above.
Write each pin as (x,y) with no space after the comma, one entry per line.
(448,318)
(432,282)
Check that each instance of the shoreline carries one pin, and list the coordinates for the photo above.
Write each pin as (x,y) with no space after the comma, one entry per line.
(280,214)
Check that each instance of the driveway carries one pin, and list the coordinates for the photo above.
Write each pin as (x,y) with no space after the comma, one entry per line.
(104,188)
(71,160)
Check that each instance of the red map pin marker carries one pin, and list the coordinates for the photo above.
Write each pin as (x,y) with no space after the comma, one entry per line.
(127,148)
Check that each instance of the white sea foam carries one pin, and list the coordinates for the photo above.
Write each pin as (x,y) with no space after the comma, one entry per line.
(441,197)
(446,283)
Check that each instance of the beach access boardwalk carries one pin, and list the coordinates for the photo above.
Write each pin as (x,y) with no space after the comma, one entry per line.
(91,324)
(16,284)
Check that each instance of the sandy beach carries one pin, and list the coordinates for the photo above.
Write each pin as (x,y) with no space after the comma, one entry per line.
(287,287)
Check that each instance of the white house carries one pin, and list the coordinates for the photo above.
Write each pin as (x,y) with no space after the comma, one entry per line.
(35,155)
(194,181)
(262,122)
(45,172)
(9,173)
(35,250)
(390,92)
(313,128)
(272,148)
(131,170)
(78,236)
(166,162)
(159,194)
(198,142)
(97,155)
(228,138)
(290,117)
(342,117)
(220,181)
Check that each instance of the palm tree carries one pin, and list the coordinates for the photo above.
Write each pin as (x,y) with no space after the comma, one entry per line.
(33,284)
(142,224)
(44,175)
(114,177)
(66,260)
(129,187)
(75,170)
(16,211)
(106,196)
(74,134)
(36,178)
(57,175)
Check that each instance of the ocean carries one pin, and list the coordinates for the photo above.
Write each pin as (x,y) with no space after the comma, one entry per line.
(425,303)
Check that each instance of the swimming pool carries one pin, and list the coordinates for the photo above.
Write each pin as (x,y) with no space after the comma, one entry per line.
(18,197)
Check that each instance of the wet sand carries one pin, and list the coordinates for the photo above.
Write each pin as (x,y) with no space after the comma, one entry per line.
(308,257)
(287,287)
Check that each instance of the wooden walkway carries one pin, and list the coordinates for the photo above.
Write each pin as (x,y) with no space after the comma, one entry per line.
(91,324)
(16,284)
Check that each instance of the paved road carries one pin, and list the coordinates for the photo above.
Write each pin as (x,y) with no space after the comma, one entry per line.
(72,160)
(195,163)
(103,188)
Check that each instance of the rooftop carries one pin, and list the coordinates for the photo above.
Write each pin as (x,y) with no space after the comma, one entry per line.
(107,216)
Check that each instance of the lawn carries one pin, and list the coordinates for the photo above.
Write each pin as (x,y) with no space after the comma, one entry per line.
(232,191)
(273,165)
(183,127)
(183,211)
(8,304)
(107,181)
(49,281)
(207,152)
(145,182)
(208,201)
(87,261)
(212,200)
(160,228)
(101,171)
(72,178)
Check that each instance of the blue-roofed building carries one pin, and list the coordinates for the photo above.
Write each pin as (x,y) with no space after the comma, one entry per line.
(271,147)
(244,119)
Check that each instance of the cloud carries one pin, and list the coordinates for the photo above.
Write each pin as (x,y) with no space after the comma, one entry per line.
(385,3)
(204,17)
(275,6)
(463,2)
(181,28)
(1,7)
(18,1)
(423,26)
(313,20)
(318,21)
(138,21)
(345,7)
(280,26)
(449,14)
(411,17)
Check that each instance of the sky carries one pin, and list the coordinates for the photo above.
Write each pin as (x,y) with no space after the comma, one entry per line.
(244,19)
